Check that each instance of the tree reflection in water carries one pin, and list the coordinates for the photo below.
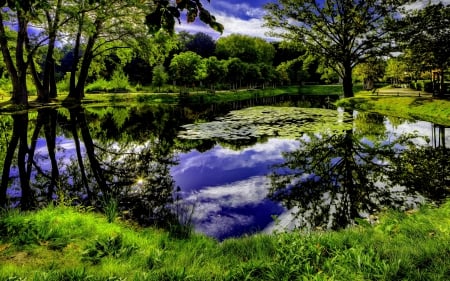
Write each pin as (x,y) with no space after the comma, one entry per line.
(134,171)
(332,180)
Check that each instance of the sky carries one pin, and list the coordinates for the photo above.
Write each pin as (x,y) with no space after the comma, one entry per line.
(244,17)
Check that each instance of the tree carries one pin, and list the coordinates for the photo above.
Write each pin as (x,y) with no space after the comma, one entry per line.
(216,71)
(160,76)
(17,69)
(426,34)
(246,48)
(236,70)
(369,72)
(343,32)
(184,67)
(202,44)
(94,27)
(395,70)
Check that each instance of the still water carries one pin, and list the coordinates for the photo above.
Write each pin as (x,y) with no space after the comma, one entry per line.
(229,170)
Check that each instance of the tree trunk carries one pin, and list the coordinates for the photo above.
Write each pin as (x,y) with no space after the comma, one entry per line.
(76,59)
(347,82)
(77,91)
(20,92)
(17,72)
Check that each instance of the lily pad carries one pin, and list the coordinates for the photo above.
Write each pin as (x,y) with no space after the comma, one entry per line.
(263,121)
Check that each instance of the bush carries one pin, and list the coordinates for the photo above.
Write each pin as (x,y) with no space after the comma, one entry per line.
(99,85)
(64,84)
(119,82)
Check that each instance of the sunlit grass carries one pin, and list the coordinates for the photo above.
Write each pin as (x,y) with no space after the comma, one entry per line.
(425,108)
(64,243)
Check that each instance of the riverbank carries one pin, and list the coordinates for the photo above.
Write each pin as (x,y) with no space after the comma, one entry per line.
(65,243)
(405,103)
(196,97)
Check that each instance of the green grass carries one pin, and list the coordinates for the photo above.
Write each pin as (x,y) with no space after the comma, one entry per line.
(424,108)
(64,243)
(335,89)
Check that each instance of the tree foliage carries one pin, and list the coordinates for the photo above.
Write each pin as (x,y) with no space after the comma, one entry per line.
(425,32)
(185,67)
(95,28)
(246,48)
(343,32)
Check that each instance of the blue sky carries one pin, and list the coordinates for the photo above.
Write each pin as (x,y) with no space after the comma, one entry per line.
(244,17)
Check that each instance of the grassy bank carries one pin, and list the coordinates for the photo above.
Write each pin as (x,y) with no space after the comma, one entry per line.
(407,104)
(63,243)
(162,98)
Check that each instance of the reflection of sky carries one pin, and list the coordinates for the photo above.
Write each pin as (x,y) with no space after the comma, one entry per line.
(228,188)
(219,165)
(65,152)
(422,128)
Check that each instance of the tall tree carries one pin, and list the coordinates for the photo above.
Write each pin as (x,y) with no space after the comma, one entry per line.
(246,48)
(343,32)
(202,44)
(185,68)
(159,76)
(426,34)
(18,13)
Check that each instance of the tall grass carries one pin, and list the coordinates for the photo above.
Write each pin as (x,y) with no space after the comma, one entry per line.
(63,243)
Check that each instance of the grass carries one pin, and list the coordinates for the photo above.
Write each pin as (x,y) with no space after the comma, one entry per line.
(64,243)
(326,89)
(406,105)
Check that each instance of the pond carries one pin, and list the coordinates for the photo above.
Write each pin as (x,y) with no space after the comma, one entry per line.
(227,169)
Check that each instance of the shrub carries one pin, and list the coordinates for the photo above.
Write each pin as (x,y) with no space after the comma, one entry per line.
(119,82)
(99,85)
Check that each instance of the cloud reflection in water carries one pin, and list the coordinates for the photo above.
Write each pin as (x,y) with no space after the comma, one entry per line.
(228,188)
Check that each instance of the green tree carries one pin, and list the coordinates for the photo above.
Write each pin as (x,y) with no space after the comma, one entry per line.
(236,70)
(17,68)
(343,32)
(395,70)
(425,33)
(369,72)
(216,71)
(202,44)
(185,68)
(246,48)
(159,77)
(95,27)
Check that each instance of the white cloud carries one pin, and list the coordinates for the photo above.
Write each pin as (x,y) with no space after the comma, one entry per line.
(252,27)
(240,8)
(421,4)
(220,158)
(236,18)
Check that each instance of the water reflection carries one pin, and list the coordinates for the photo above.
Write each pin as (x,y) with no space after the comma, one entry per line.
(137,156)
(331,180)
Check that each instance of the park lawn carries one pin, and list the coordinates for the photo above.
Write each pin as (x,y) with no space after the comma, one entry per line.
(406,104)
